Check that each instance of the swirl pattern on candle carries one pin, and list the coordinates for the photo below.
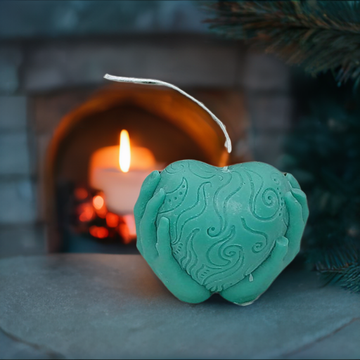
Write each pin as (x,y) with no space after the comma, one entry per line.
(223,221)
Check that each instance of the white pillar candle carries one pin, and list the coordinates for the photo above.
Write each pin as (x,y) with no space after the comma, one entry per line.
(121,189)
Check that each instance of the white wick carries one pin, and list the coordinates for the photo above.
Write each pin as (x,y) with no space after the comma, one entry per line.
(163,83)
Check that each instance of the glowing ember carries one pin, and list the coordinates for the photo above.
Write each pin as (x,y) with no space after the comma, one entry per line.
(98,202)
(112,220)
(91,217)
(124,151)
(100,207)
(81,193)
(99,232)
(86,212)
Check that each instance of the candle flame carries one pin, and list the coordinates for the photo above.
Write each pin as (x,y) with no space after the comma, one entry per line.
(124,152)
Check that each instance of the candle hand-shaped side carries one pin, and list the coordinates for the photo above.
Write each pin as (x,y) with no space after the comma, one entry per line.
(230,230)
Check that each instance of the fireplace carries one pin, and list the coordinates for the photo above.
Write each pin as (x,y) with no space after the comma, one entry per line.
(55,96)
(164,122)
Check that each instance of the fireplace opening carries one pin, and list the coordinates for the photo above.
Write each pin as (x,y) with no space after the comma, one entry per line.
(160,122)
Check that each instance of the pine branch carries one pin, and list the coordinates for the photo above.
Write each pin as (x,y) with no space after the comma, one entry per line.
(323,153)
(319,35)
(341,265)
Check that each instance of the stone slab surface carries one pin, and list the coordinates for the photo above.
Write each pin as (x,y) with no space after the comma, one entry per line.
(13,348)
(346,339)
(112,306)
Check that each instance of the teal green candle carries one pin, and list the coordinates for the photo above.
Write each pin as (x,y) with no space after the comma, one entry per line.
(231,230)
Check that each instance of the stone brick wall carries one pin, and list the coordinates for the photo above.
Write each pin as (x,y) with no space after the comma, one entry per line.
(19,230)
(37,19)
(41,80)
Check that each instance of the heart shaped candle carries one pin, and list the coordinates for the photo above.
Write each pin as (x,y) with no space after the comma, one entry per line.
(231,230)
(205,229)
(223,221)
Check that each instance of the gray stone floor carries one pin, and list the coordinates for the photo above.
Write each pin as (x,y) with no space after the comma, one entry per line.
(112,306)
